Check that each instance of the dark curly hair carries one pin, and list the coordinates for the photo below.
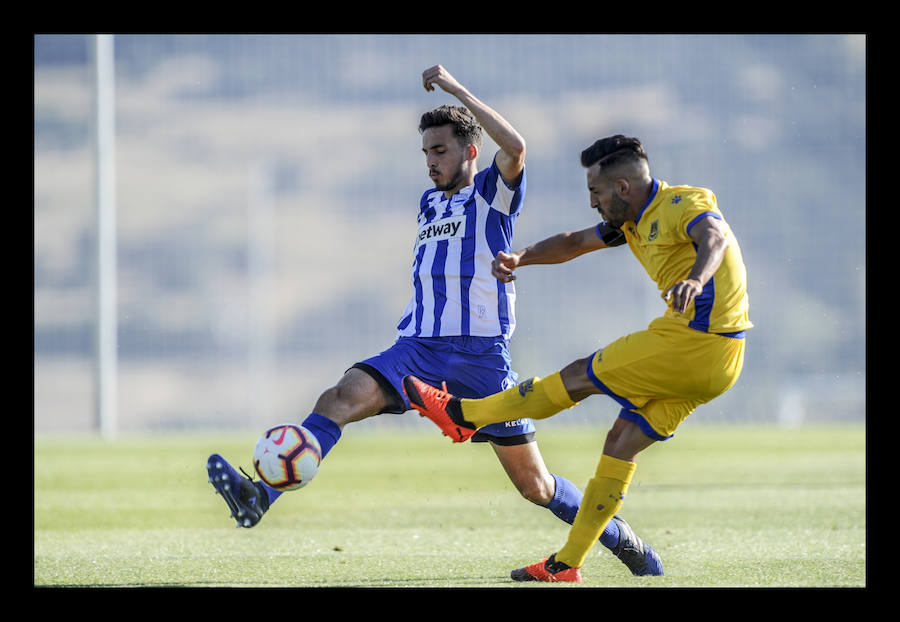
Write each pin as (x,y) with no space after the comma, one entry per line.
(613,150)
(465,127)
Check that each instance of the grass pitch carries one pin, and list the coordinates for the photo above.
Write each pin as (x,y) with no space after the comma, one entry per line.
(723,506)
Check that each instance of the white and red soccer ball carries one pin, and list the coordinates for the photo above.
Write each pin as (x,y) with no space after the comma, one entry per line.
(287,457)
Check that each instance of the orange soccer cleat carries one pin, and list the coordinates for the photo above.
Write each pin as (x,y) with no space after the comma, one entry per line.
(549,570)
(439,406)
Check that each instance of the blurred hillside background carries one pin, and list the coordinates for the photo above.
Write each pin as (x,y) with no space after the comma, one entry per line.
(267,187)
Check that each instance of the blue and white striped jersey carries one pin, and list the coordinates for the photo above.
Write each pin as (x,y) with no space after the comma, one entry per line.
(454,292)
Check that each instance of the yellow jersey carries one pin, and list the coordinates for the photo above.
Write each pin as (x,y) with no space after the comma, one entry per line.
(660,239)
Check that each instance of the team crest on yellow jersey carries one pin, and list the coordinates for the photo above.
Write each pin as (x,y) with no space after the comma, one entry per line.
(526,387)
(654,230)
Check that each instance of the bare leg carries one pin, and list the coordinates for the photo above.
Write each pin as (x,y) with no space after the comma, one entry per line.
(625,440)
(576,381)
(356,396)
(527,471)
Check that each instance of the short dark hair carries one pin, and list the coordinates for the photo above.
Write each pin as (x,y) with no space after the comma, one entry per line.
(465,127)
(614,150)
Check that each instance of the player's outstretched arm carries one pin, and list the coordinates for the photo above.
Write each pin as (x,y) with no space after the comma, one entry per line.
(511,157)
(557,248)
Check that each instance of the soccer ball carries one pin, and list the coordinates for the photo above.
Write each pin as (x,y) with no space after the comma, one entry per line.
(287,457)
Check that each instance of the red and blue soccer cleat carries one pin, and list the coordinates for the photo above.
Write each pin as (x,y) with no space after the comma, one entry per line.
(548,570)
(440,406)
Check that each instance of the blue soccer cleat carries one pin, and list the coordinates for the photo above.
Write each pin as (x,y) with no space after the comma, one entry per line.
(246,499)
(639,556)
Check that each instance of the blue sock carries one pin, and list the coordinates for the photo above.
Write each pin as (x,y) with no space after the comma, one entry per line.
(271,492)
(565,503)
(610,536)
(566,499)
(326,431)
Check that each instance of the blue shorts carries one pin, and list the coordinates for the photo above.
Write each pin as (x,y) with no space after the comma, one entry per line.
(473,367)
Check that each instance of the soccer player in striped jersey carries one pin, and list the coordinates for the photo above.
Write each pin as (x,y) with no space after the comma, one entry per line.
(688,356)
(455,331)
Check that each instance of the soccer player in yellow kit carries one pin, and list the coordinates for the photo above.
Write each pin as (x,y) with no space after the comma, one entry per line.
(691,354)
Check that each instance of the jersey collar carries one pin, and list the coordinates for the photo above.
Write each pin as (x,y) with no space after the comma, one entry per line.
(653,192)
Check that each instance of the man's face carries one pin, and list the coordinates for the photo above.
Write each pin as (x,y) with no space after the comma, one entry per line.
(613,208)
(444,157)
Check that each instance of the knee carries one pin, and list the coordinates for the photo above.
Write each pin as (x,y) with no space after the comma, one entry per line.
(328,398)
(625,440)
(614,445)
(576,380)
(337,396)
(612,437)
(537,488)
(349,401)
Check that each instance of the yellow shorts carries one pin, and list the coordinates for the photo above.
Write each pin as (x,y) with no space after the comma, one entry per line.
(660,375)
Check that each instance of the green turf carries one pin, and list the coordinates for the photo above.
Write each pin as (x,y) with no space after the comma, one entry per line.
(724,506)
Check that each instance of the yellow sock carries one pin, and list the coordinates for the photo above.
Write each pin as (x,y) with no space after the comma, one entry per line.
(535,398)
(603,497)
